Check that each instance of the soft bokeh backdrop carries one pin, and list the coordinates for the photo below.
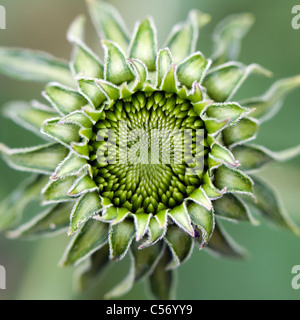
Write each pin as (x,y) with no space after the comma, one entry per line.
(31,266)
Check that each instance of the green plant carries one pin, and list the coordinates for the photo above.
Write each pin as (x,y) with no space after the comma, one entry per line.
(155,210)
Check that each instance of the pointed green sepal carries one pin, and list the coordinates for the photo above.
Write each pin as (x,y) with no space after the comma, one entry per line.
(71,165)
(203,219)
(12,207)
(49,222)
(110,90)
(254,157)
(192,69)
(87,206)
(30,115)
(108,22)
(120,238)
(141,74)
(164,63)
(210,189)
(267,105)
(88,273)
(82,185)
(57,191)
(92,92)
(42,159)
(180,244)
(34,66)
(162,281)
(169,83)
(222,245)
(141,221)
(223,155)
(157,228)
(144,43)
(232,208)
(117,69)
(222,82)
(124,286)
(230,111)
(81,149)
(146,259)
(228,35)
(183,38)
(63,99)
(199,196)
(268,204)
(235,181)
(181,217)
(66,134)
(245,130)
(84,62)
(91,237)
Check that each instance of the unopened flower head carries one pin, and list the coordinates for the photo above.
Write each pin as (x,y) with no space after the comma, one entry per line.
(148,149)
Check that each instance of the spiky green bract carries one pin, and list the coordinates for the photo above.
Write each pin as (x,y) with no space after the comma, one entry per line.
(98,175)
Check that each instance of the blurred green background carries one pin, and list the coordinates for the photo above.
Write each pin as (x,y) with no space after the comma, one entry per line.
(32,271)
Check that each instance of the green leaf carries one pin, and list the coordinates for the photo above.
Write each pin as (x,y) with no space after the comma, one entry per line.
(84,61)
(233,180)
(253,157)
(269,206)
(164,63)
(30,115)
(222,245)
(245,130)
(34,66)
(162,281)
(180,244)
(108,23)
(228,35)
(120,238)
(231,207)
(57,191)
(223,82)
(86,276)
(267,105)
(117,69)
(65,133)
(87,206)
(144,43)
(192,69)
(12,207)
(63,99)
(91,237)
(181,217)
(42,159)
(49,222)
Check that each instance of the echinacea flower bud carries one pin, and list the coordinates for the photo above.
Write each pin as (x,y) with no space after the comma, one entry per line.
(148,150)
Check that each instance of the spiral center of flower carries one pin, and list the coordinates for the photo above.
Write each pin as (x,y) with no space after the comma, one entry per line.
(148,152)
